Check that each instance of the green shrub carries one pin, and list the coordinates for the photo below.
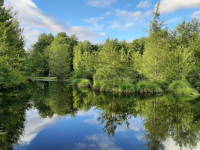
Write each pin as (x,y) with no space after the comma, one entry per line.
(84,83)
(130,88)
(76,81)
(148,87)
(97,85)
(154,88)
(163,85)
(197,84)
(122,88)
(176,85)
(126,88)
(188,92)
(106,85)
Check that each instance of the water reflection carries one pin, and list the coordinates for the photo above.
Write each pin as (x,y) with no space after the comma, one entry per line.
(163,119)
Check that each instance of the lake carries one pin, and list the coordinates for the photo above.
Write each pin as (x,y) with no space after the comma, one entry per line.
(56,116)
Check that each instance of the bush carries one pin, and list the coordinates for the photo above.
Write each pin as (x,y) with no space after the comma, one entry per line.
(188,92)
(127,88)
(183,88)
(176,85)
(84,83)
(97,85)
(76,81)
(163,85)
(148,87)
(122,88)
(130,88)
(106,85)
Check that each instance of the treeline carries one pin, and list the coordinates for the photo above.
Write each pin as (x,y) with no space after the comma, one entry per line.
(164,56)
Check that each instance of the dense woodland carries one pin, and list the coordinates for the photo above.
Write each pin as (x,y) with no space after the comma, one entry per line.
(164,56)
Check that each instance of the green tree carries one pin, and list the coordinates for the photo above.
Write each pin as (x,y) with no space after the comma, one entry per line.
(84,60)
(113,62)
(12,53)
(39,65)
(59,58)
(137,45)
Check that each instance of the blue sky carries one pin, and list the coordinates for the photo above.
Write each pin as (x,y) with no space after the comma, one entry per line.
(95,20)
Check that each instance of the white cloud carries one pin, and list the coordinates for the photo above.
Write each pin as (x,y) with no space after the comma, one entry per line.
(93,120)
(116,24)
(86,113)
(30,15)
(139,137)
(34,125)
(134,16)
(196,14)
(145,4)
(127,20)
(107,13)
(134,124)
(102,142)
(129,40)
(169,6)
(170,144)
(31,35)
(174,20)
(94,21)
(148,13)
(101,3)
(128,5)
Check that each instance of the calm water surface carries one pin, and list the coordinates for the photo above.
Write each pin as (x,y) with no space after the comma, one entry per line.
(55,116)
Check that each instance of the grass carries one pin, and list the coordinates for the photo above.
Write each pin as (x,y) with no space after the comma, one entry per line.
(183,88)
(84,83)
(119,86)
(148,87)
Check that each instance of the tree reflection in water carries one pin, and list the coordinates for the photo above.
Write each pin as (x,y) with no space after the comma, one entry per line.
(164,116)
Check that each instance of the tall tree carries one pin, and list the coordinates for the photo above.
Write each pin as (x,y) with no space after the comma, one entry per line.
(12,53)
(155,48)
(59,58)
(84,60)
(39,61)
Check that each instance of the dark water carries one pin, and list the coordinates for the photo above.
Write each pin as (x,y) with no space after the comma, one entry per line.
(43,116)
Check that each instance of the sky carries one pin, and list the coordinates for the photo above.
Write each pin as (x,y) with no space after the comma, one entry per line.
(96,20)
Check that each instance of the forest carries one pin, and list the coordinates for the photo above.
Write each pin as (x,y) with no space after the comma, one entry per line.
(166,60)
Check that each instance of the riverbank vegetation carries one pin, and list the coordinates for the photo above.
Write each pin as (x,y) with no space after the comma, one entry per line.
(145,65)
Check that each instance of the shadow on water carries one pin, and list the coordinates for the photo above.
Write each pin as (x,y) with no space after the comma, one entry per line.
(164,116)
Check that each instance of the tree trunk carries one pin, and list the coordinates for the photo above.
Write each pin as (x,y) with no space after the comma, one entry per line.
(155,69)
(155,109)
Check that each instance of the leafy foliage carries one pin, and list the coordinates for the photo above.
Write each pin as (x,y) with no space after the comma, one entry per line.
(84,83)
